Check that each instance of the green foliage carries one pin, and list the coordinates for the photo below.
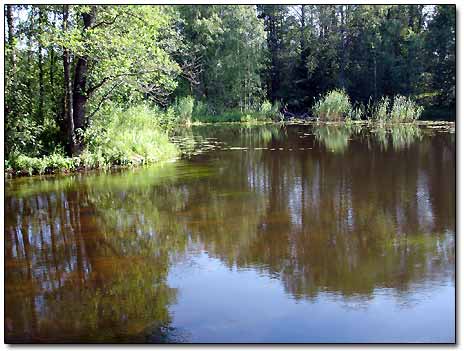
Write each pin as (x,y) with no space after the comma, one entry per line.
(440,57)
(266,107)
(184,109)
(226,44)
(270,110)
(334,106)
(405,110)
(129,137)
(220,63)
(402,109)
(22,164)
(200,109)
(381,110)
(356,113)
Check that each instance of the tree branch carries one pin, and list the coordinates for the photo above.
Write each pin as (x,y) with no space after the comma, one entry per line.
(107,23)
(104,97)
(92,89)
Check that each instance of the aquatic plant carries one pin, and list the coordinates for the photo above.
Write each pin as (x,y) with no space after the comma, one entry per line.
(405,110)
(334,106)
(356,113)
(401,109)
(381,110)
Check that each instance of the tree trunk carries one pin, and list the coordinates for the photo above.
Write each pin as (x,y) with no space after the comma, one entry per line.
(52,64)
(9,19)
(342,47)
(40,64)
(302,37)
(68,124)
(80,95)
(30,79)
(10,105)
(375,74)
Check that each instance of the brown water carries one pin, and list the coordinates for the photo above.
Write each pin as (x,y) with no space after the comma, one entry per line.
(261,234)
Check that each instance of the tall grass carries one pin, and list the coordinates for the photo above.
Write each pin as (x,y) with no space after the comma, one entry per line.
(402,109)
(381,110)
(405,110)
(56,162)
(121,137)
(334,106)
(129,137)
(270,110)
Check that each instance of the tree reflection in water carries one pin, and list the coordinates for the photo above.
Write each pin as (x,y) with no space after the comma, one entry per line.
(88,256)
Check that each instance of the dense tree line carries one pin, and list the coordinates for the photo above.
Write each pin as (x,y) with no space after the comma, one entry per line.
(64,64)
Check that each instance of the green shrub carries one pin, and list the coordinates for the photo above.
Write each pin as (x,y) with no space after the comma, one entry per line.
(129,137)
(184,109)
(22,164)
(334,106)
(266,108)
(199,109)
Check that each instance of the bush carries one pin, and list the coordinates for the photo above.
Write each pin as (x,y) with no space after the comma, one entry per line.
(22,164)
(266,108)
(184,109)
(334,106)
(129,137)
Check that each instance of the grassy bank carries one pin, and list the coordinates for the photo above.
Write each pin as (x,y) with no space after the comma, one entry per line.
(141,135)
(124,138)
(135,136)
(265,112)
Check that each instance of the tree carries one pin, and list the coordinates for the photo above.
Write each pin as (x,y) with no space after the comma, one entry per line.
(226,43)
(441,49)
(115,48)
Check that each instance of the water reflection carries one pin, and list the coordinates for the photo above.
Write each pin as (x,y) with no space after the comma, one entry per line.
(88,256)
(335,138)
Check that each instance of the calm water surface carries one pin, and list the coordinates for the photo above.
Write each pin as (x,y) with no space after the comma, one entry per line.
(261,234)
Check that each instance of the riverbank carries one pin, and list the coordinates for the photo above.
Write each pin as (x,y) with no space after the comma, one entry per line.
(142,134)
(114,154)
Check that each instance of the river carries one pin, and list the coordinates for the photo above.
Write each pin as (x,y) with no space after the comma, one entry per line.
(272,233)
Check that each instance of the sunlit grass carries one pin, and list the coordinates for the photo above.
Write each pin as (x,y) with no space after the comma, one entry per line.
(334,106)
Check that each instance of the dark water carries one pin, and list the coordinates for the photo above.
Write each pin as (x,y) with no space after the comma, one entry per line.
(262,234)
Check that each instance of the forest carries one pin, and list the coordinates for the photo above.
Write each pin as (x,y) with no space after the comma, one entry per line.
(93,86)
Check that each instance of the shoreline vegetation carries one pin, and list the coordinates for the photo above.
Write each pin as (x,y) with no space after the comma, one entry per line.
(140,135)
(100,86)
